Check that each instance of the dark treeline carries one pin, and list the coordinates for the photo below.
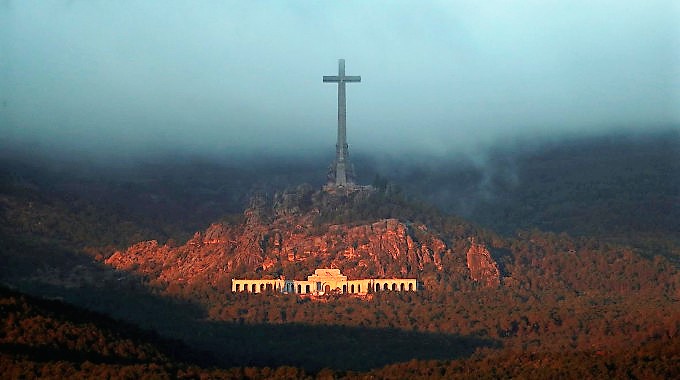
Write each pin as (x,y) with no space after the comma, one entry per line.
(622,188)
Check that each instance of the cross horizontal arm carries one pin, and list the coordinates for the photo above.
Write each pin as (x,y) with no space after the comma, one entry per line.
(335,78)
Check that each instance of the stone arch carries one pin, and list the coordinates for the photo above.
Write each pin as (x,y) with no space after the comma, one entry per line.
(238,287)
(410,286)
(394,286)
(299,289)
(351,288)
(344,288)
(268,287)
(306,288)
(252,287)
(376,287)
(261,288)
(359,288)
(385,286)
(401,287)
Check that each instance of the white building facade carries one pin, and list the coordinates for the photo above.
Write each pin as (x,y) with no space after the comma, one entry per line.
(325,281)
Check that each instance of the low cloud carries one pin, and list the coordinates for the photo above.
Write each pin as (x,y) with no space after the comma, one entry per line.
(129,78)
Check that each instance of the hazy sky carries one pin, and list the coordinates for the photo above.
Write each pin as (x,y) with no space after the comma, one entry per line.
(217,76)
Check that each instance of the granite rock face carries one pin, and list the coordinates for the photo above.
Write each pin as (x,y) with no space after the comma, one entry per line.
(483,268)
(275,240)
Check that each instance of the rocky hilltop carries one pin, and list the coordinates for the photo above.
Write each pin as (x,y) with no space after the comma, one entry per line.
(303,229)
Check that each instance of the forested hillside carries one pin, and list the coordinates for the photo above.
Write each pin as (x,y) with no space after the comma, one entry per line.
(616,187)
(620,188)
(586,249)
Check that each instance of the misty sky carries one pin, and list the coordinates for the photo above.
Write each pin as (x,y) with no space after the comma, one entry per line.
(437,77)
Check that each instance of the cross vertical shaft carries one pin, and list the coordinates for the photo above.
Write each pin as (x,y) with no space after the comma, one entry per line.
(342,172)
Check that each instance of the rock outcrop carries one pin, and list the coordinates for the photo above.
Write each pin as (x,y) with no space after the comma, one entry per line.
(483,268)
(286,239)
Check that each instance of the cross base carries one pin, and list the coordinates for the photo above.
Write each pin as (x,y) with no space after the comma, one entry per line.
(341,173)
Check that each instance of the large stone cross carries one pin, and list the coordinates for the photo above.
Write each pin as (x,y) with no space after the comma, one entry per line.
(342,170)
